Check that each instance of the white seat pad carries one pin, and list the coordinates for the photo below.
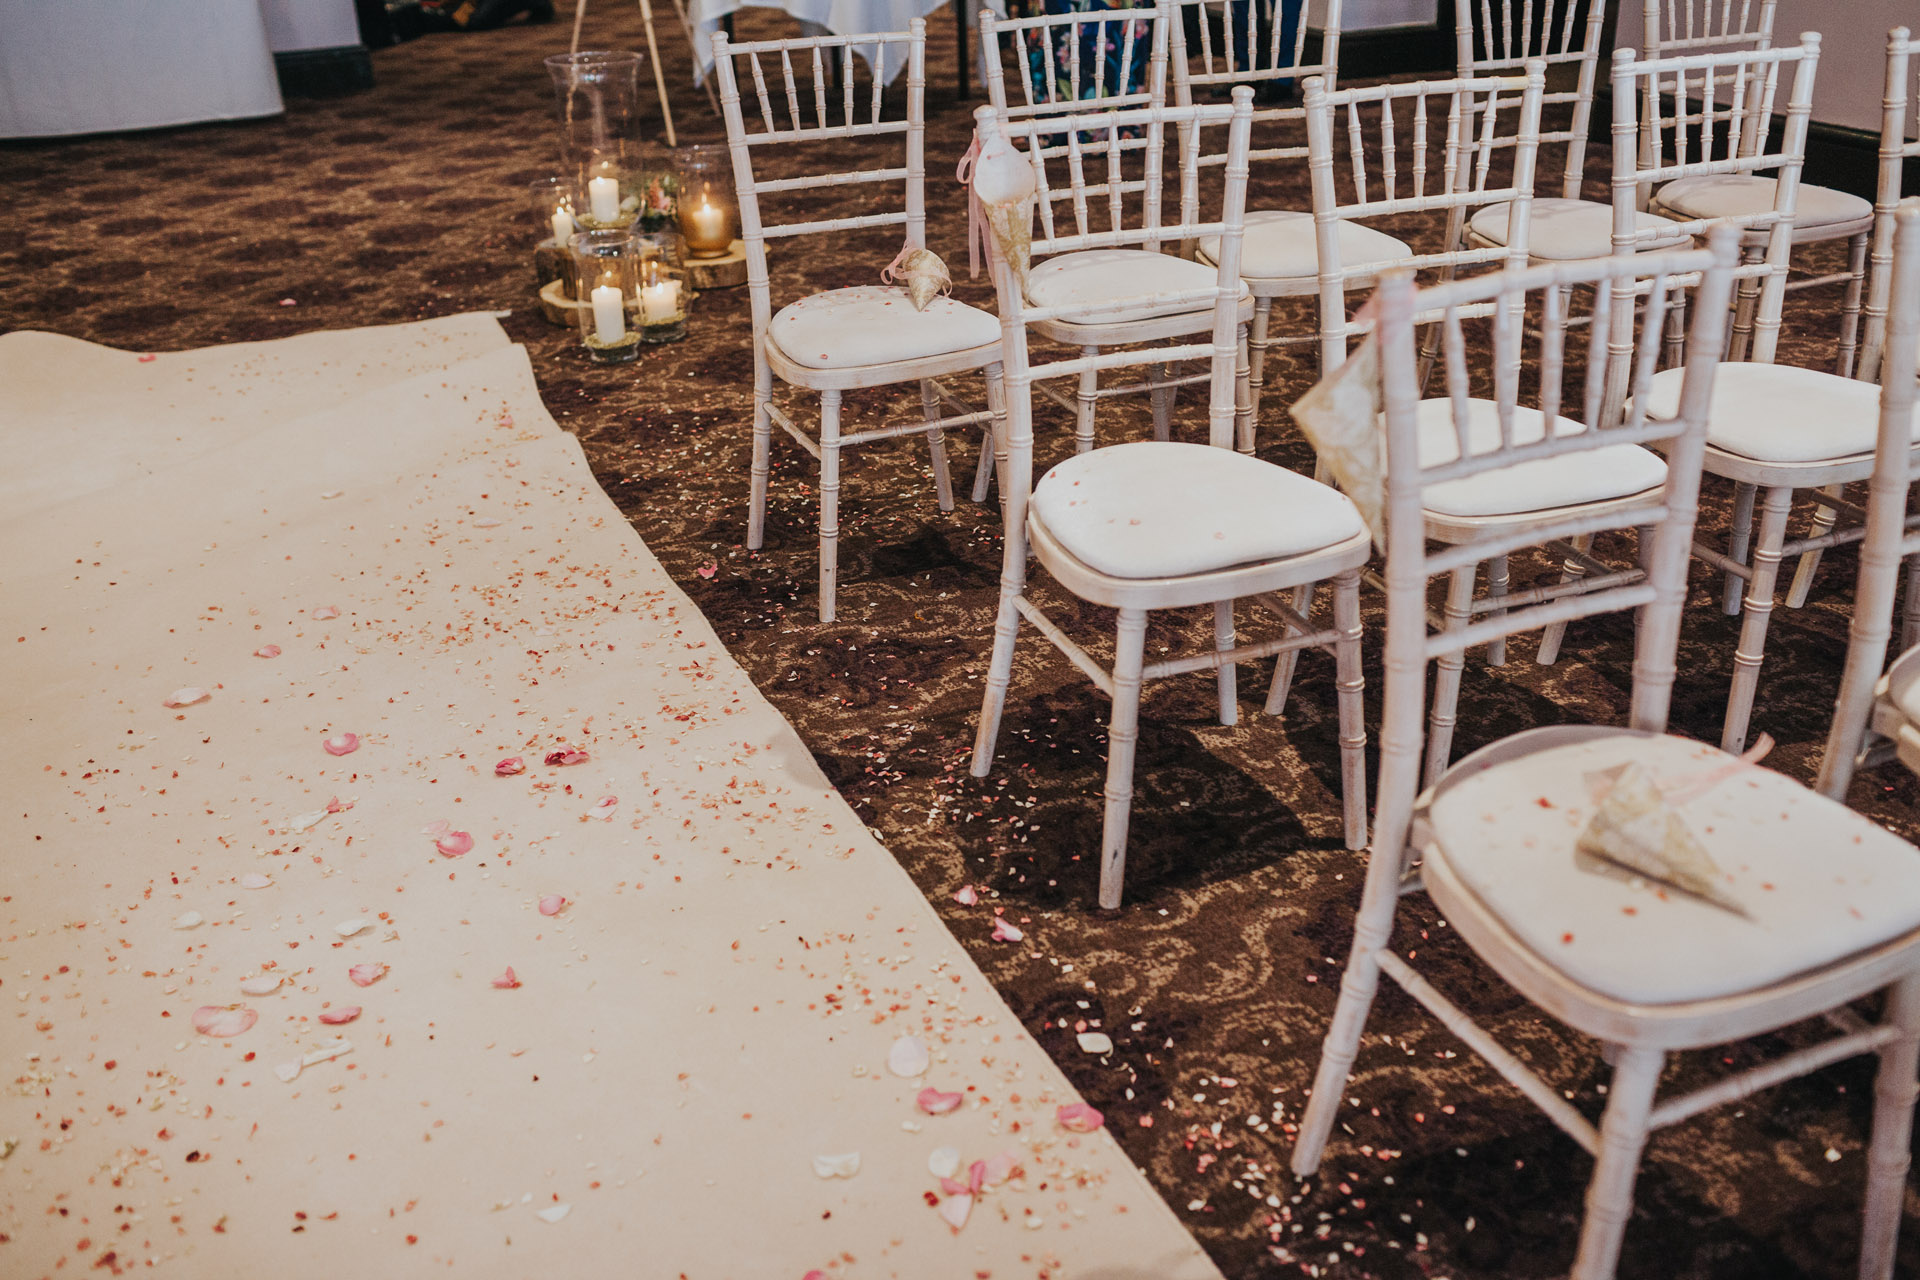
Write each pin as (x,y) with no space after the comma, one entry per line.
(1110,275)
(1819,881)
(1160,509)
(1279,245)
(1562,230)
(1903,685)
(1733,195)
(1544,483)
(1777,413)
(875,324)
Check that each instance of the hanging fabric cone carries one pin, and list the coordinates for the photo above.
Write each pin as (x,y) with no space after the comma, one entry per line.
(1000,203)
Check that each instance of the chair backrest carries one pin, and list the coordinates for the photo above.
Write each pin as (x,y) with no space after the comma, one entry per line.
(1223,295)
(1424,147)
(1502,36)
(1900,112)
(1887,542)
(1509,300)
(1206,67)
(1686,117)
(1073,63)
(1677,27)
(800,109)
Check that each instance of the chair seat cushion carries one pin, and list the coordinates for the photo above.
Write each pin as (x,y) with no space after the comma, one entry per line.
(1279,245)
(1777,413)
(1562,230)
(1095,276)
(1594,476)
(875,324)
(1818,881)
(1733,195)
(1161,509)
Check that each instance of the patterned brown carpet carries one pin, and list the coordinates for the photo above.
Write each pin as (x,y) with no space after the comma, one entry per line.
(1216,980)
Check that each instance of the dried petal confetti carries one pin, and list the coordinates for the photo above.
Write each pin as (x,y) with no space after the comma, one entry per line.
(436,828)
(223,1020)
(254,880)
(186,697)
(976,1176)
(841,1166)
(551,904)
(263,984)
(708,570)
(604,807)
(485,522)
(347,928)
(954,1209)
(337,805)
(966,897)
(267,651)
(337,1017)
(566,755)
(555,1212)
(943,1162)
(365,975)
(998,1168)
(344,744)
(1095,1042)
(288,1071)
(510,766)
(507,981)
(454,843)
(324,612)
(908,1057)
(303,821)
(326,1053)
(936,1103)
(1004,932)
(1078,1117)
(187,920)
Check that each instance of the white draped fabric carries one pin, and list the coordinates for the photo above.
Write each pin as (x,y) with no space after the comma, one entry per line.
(840,17)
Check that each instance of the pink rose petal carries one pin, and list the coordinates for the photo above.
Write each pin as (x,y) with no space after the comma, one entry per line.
(551,904)
(954,1209)
(345,1013)
(936,1103)
(267,651)
(707,570)
(604,807)
(344,744)
(337,805)
(566,755)
(1001,1167)
(815,1274)
(437,828)
(966,897)
(952,1187)
(453,844)
(186,697)
(264,984)
(223,1019)
(1078,1117)
(365,975)
(1004,932)
(507,981)
(148,359)
(510,766)
(909,1057)
(324,612)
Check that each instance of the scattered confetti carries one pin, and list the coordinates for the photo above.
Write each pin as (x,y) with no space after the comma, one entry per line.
(347,928)
(841,1166)
(551,904)
(507,981)
(1078,1117)
(223,1020)
(186,697)
(338,1017)
(936,1103)
(454,843)
(254,880)
(908,1057)
(944,1162)
(1004,932)
(344,744)
(510,766)
(264,984)
(604,807)
(553,1213)
(566,755)
(365,975)
(267,651)
(966,897)
(187,920)
(1095,1042)
(955,1209)
(303,821)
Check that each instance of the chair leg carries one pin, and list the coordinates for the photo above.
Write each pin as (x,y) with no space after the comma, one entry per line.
(1556,632)
(1245,420)
(1745,304)
(1350,687)
(1286,663)
(1739,538)
(983,468)
(1227,677)
(762,451)
(936,445)
(1850,308)
(1497,583)
(829,501)
(1888,1154)
(1123,734)
(1258,345)
(997,438)
(1162,407)
(1676,349)
(1623,1134)
(1444,713)
(1824,518)
(1759,612)
(1083,406)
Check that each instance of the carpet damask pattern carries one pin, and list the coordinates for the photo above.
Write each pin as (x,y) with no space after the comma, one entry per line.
(1216,980)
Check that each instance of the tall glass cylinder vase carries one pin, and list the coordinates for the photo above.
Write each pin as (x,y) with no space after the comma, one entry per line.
(597,102)
(709,209)
(606,268)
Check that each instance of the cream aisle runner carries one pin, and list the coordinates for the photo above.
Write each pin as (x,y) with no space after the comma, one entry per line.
(300,979)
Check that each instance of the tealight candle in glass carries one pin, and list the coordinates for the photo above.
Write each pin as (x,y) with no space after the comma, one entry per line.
(709,212)
(664,294)
(550,200)
(606,267)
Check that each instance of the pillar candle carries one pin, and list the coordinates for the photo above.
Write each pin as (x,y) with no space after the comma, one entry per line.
(706,223)
(660,303)
(609,316)
(562,227)
(604,195)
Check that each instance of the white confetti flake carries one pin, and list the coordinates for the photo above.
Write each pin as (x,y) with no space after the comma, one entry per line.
(1095,1042)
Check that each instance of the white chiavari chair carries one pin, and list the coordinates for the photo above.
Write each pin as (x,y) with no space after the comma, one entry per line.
(1821,214)
(1202,69)
(1162,524)
(1803,907)
(843,339)
(1899,115)
(1887,705)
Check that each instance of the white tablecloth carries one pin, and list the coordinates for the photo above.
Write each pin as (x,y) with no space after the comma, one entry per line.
(842,17)
(103,65)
